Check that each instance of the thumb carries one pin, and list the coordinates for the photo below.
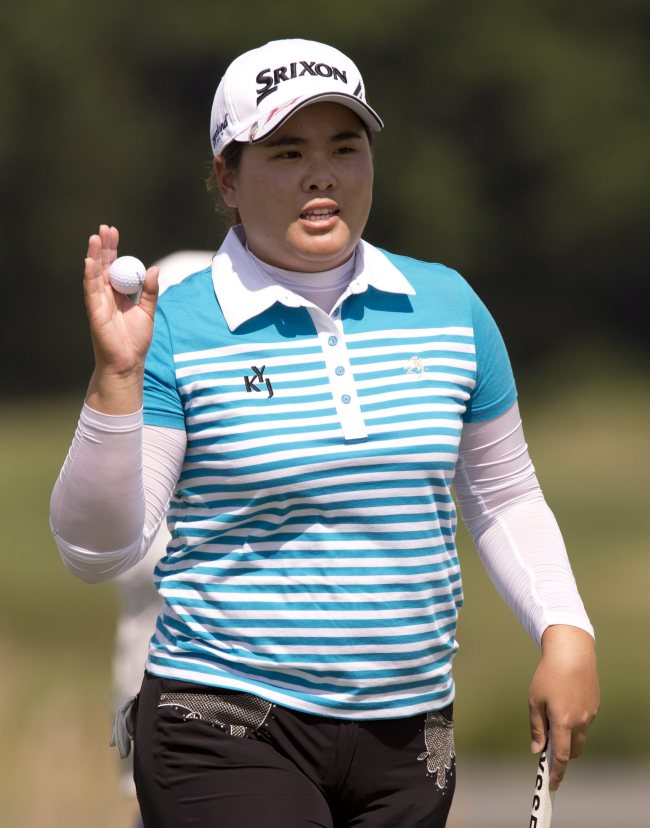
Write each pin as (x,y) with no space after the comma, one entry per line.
(149,293)
(538,729)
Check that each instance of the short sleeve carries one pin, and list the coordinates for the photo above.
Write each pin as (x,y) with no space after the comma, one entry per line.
(162,403)
(495,389)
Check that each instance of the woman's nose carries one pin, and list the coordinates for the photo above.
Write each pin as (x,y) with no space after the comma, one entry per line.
(320,177)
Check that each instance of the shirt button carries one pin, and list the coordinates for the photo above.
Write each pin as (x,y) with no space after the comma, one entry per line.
(340,370)
(332,340)
(346,398)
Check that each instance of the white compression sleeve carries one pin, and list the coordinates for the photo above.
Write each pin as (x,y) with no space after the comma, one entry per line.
(113,491)
(118,477)
(514,531)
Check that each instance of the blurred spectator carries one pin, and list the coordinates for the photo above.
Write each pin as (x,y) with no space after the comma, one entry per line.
(138,600)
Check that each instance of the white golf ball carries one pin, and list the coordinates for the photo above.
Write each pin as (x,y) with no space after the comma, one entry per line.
(126,274)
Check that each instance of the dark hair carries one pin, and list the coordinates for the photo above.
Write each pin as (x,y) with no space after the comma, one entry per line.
(231,155)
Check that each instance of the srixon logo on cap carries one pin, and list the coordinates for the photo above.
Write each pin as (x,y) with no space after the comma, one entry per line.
(270,79)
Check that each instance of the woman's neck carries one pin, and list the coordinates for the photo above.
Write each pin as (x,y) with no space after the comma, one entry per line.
(322,288)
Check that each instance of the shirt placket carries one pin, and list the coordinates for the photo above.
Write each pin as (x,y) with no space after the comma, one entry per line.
(339,370)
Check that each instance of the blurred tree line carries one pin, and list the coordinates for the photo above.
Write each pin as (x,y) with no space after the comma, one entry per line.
(515,150)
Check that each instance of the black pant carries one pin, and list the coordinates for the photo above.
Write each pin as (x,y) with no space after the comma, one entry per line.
(210,758)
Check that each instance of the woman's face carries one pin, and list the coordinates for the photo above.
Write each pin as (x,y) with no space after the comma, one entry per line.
(304,194)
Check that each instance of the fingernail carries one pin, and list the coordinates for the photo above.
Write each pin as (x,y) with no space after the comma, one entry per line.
(535,747)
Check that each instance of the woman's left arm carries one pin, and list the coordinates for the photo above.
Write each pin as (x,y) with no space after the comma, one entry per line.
(522,549)
(564,695)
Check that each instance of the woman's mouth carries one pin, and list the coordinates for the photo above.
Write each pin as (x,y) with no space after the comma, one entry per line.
(319,214)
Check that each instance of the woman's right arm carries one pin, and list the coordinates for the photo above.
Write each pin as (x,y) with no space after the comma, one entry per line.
(111,496)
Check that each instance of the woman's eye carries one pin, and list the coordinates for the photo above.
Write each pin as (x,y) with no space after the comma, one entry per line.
(288,154)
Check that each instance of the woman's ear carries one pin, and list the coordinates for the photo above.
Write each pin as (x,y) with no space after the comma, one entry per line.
(227,181)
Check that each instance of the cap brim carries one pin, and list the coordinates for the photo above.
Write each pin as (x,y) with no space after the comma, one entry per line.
(280,114)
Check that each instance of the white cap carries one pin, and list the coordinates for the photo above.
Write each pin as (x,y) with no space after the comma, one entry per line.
(265,86)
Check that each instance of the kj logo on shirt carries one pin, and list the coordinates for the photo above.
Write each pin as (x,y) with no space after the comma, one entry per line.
(258,377)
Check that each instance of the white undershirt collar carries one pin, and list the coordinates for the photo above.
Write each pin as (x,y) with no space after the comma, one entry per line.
(322,288)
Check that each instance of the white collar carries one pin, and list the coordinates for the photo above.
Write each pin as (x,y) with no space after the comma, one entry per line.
(244,290)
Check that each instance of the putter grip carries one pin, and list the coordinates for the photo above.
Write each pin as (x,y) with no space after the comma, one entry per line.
(542,807)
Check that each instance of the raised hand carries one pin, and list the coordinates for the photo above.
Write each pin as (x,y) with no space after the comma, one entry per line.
(121,330)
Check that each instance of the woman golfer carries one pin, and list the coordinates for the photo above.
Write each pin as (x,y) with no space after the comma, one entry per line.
(301,410)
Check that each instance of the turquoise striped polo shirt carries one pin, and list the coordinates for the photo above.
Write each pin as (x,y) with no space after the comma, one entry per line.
(313,558)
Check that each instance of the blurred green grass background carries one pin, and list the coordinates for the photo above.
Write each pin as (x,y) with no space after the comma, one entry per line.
(586,422)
